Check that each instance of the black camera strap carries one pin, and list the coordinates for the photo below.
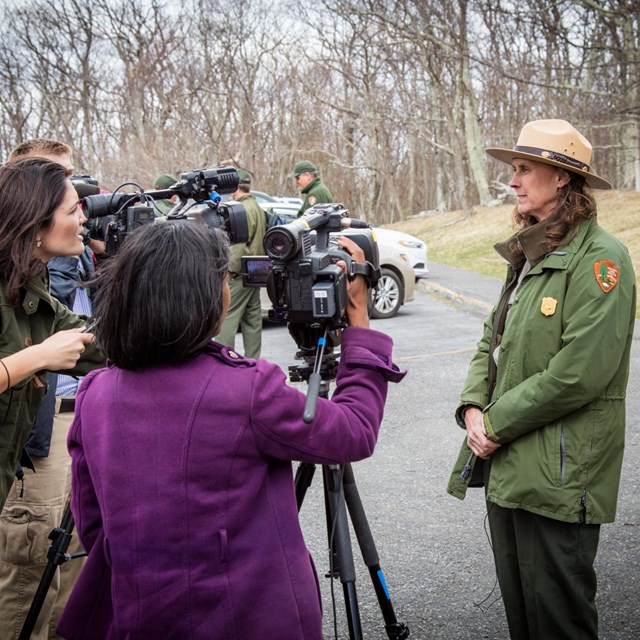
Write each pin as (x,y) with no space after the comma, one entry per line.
(366,269)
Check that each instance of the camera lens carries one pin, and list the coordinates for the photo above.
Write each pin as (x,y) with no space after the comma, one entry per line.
(103,205)
(280,243)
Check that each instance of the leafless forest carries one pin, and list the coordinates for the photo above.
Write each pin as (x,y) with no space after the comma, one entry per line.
(394,100)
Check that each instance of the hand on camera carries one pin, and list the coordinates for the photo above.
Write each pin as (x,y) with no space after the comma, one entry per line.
(63,349)
(357,291)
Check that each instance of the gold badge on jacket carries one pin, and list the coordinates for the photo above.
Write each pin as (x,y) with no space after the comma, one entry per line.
(548,306)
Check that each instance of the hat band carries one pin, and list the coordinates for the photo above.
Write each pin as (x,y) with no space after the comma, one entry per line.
(554,155)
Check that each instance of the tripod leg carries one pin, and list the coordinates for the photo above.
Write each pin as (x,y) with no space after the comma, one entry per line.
(340,543)
(60,537)
(396,630)
(302,481)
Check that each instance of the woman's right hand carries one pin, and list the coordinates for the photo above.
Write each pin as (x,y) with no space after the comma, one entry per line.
(358,307)
(63,349)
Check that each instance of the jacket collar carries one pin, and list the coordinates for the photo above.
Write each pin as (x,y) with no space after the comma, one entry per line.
(531,240)
(314,183)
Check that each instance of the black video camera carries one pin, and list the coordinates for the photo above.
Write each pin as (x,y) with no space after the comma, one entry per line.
(304,282)
(86,185)
(199,200)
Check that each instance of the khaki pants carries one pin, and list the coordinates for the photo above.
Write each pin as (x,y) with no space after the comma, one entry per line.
(35,507)
(244,311)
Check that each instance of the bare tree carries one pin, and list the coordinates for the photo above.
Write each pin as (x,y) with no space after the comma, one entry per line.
(394,100)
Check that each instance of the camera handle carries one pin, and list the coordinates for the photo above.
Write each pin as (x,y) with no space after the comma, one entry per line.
(315,381)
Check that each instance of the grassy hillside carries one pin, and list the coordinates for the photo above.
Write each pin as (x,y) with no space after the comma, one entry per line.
(468,244)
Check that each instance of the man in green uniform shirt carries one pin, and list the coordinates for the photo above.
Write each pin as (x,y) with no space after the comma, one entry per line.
(165,181)
(245,309)
(311,187)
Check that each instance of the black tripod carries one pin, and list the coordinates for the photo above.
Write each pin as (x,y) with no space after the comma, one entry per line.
(341,493)
(60,538)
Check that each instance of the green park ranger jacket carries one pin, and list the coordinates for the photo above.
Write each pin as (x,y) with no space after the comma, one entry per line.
(31,322)
(316,192)
(256,226)
(558,400)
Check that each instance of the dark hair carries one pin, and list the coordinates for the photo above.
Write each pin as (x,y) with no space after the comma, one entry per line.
(31,189)
(159,299)
(576,203)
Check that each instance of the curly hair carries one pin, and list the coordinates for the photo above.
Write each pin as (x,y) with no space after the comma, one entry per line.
(31,189)
(159,300)
(575,204)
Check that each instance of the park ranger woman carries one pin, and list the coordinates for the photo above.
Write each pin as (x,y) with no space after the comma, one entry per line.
(544,399)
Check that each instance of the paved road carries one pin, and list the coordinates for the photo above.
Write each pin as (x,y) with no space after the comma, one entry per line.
(433,548)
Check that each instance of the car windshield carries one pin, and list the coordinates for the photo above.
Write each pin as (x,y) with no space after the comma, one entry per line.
(260,196)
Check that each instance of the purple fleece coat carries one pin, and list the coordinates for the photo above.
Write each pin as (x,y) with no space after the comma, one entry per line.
(183,493)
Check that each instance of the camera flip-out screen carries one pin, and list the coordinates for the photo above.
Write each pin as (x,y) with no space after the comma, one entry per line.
(255,270)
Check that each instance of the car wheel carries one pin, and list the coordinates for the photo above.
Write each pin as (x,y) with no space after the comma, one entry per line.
(388,296)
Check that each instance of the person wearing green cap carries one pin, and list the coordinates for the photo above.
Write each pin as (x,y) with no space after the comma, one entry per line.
(245,310)
(311,187)
(164,181)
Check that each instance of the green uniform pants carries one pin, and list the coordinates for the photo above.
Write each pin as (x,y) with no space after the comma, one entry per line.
(244,311)
(546,575)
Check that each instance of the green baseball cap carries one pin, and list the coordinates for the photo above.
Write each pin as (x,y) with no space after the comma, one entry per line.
(302,167)
(244,177)
(165,180)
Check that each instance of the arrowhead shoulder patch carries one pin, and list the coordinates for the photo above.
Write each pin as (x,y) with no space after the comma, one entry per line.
(607,274)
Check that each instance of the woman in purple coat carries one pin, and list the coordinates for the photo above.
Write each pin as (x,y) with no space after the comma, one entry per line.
(182,481)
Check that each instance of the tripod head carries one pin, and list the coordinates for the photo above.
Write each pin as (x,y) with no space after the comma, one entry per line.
(308,338)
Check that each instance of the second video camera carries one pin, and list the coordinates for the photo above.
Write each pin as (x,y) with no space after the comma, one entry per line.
(199,200)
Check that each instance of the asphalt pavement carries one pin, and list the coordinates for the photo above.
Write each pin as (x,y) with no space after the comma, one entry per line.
(471,292)
(434,549)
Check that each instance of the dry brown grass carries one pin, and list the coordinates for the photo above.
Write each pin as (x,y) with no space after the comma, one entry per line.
(468,243)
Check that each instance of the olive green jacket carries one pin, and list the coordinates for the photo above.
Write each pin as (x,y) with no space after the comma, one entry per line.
(316,192)
(558,404)
(35,319)
(257,227)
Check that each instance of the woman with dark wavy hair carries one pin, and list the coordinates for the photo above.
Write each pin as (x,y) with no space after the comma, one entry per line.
(182,487)
(543,404)
(39,219)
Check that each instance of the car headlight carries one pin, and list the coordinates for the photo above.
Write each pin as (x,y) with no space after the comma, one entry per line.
(411,244)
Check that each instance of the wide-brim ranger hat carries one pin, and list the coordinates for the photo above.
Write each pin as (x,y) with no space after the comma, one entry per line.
(554,142)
